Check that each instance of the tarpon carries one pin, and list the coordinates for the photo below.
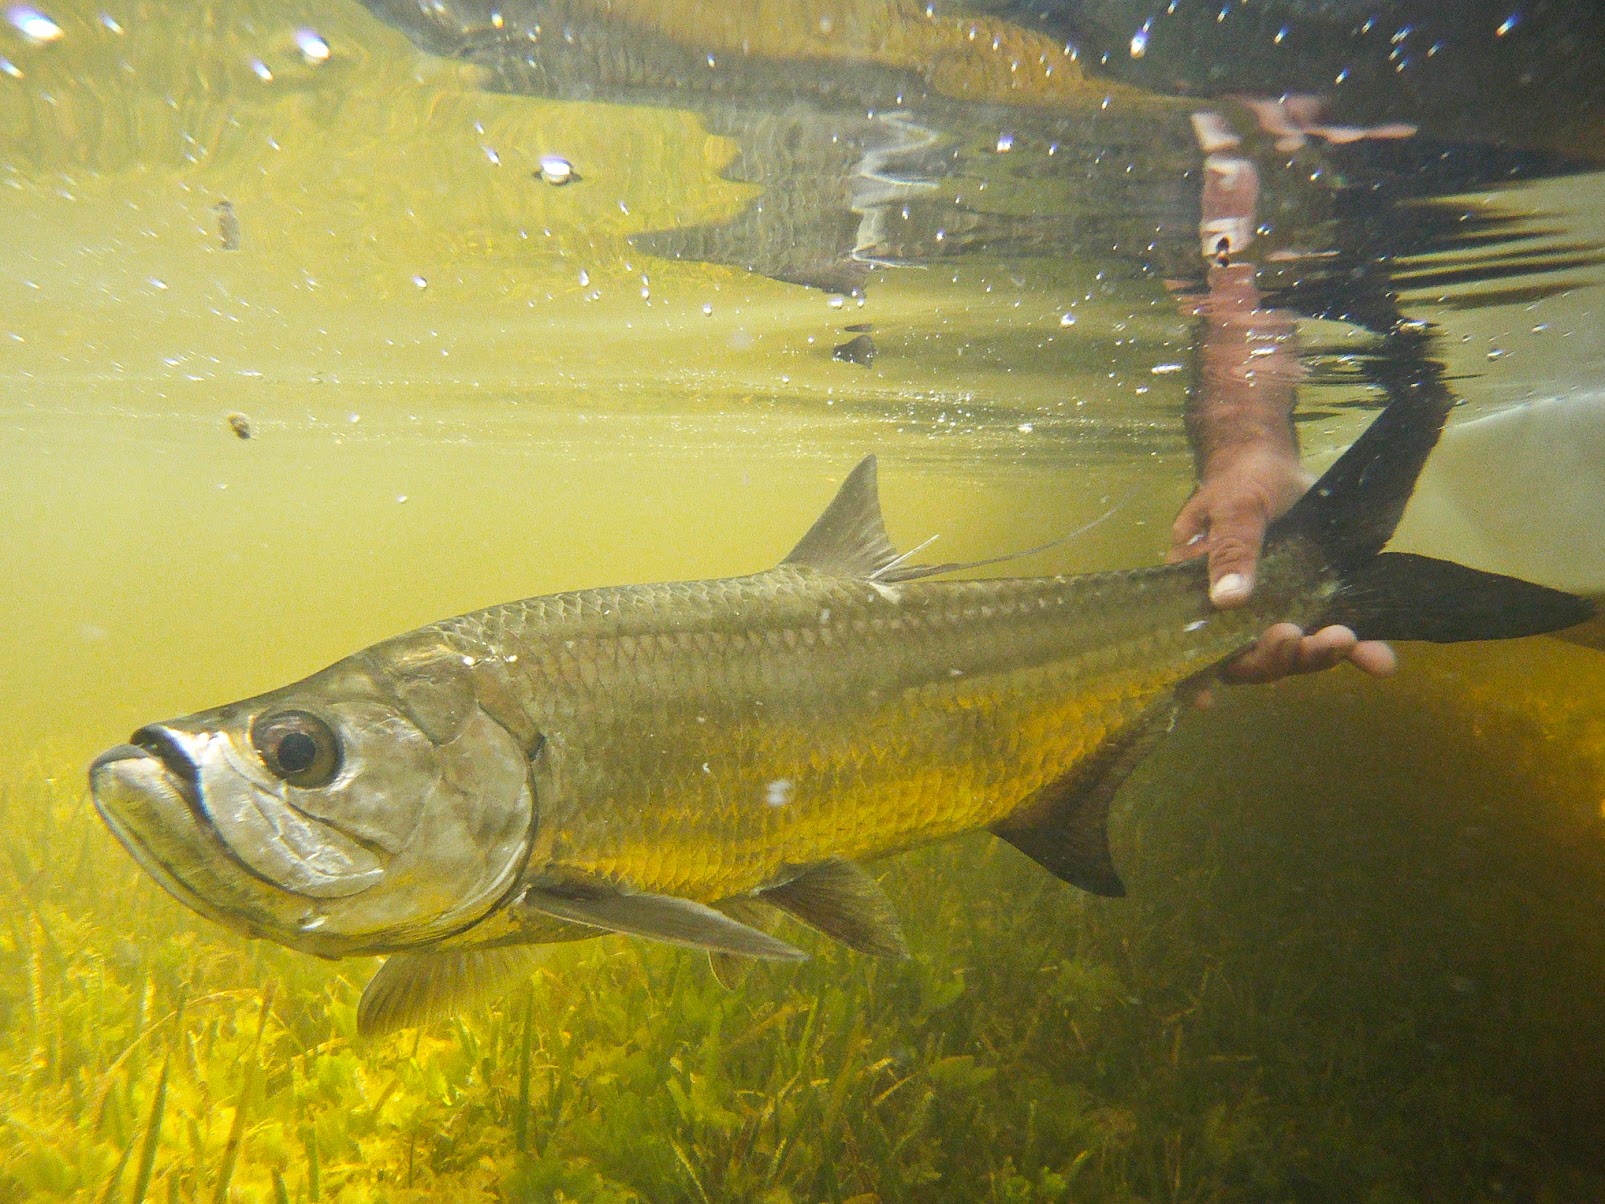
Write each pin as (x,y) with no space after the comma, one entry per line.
(680,761)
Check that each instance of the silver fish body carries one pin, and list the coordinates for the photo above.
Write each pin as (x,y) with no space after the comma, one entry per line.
(671,760)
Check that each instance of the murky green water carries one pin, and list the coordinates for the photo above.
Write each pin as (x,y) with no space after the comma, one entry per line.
(1362,952)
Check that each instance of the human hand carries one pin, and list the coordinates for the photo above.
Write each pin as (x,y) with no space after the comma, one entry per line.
(1226,519)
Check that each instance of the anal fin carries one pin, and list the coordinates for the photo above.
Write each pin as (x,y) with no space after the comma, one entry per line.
(1064,827)
(660,918)
(846,904)
(414,988)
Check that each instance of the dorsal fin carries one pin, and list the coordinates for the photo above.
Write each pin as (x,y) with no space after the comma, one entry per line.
(849,538)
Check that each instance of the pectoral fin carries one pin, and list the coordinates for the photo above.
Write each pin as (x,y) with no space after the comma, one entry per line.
(413,988)
(845,903)
(729,969)
(662,918)
(1064,827)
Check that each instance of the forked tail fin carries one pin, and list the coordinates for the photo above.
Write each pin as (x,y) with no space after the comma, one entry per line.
(1351,512)
(1401,596)
(1347,518)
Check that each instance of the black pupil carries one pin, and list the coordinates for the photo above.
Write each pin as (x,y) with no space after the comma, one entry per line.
(296,752)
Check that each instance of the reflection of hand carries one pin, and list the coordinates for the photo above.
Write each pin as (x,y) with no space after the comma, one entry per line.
(1225,519)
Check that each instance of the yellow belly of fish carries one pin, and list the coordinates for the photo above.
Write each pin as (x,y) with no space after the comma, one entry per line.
(758,799)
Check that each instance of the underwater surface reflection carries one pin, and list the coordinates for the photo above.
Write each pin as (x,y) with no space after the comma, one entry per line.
(325,321)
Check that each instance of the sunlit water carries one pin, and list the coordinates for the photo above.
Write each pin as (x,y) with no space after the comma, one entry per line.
(1361,956)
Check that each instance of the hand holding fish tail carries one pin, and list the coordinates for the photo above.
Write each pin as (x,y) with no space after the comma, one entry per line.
(1226,519)
(1238,497)
(1285,651)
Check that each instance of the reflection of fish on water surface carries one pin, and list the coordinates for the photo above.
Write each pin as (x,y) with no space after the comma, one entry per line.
(872,143)
(679,761)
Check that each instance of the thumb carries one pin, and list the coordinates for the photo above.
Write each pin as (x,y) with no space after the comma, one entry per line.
(1235,535)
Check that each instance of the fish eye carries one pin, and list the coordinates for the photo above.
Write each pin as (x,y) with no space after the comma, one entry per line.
(298,747)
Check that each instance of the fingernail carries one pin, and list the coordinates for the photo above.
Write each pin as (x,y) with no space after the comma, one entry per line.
(1230,586)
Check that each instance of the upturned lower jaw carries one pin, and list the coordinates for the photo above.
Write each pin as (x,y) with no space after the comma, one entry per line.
(137,796)
(156,814)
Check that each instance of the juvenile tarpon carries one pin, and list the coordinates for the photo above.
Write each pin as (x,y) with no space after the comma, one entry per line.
(678,760)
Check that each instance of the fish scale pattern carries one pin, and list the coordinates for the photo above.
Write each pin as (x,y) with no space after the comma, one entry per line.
(707,738)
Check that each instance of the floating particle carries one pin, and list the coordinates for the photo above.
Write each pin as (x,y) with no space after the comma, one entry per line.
(858,350)
(33,24)
(262,71)
(313,48)
(1507,25)
(1165,369)
(557,171)
(420,282)
(1139,40)
(240,425)
(1067,319)
(1005,143)
(110,22)
(490,153)
(859,328)
(10,68)
(228,225)
(779,792)
(585,278)
(707,309)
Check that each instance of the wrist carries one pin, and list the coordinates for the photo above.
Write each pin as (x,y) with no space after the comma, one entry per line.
(1268,458)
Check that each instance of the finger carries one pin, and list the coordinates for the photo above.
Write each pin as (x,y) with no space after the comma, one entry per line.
(1327,648)
(1235,535)
(1374,657)
(1188,531)
(1273,655)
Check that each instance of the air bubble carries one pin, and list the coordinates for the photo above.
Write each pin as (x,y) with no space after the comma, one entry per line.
(313,48)
(33,24)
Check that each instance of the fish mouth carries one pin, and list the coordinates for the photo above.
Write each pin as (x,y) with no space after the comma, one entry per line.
(159,743)
(216,841)
(147,793)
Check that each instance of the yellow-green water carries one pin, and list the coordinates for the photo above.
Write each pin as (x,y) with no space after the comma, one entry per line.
(1362,953)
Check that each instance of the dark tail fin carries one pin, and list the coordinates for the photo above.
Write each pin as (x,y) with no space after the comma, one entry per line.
(1351,512)
(1399,596)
